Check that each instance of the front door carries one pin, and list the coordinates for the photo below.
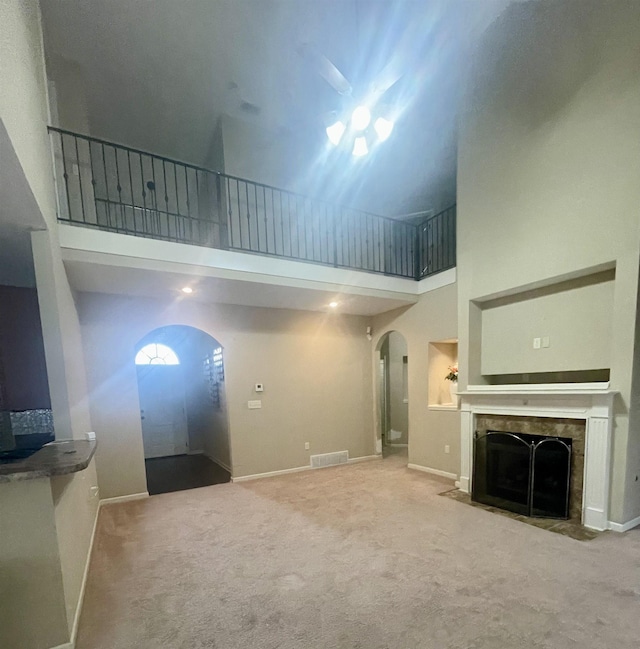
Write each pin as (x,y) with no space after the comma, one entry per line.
(162,410)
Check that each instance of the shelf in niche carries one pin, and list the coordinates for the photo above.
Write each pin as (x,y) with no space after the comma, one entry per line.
(442,355)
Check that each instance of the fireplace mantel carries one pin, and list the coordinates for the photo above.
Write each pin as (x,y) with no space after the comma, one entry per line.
(592,402)
(539,388)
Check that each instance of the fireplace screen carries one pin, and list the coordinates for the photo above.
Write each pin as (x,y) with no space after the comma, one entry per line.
(525,474)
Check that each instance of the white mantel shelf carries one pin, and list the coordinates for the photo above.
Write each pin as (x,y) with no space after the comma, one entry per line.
(538,388)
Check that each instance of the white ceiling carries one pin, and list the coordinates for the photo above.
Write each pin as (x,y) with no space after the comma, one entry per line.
(92,276)
(158,75)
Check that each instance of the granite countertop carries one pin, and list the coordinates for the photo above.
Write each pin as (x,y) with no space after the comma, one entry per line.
(56,458)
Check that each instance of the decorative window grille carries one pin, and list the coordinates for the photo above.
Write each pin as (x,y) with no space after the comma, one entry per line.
(214,375)
(157,354)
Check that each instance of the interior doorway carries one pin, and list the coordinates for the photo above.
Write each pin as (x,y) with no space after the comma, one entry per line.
(183,415)
(393,394)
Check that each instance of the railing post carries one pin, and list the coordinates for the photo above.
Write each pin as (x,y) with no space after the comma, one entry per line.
(222,215)
(335,239)
(416,252)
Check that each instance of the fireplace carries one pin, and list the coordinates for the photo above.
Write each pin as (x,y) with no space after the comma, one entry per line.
(578,416)
(524,474)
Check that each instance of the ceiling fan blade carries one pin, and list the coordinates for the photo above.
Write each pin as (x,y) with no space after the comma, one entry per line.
(325,68)
(389,76)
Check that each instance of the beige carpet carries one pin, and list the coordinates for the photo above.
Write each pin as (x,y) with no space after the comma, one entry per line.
(363,556)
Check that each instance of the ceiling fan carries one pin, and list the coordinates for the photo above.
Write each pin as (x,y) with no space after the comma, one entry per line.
(364,125)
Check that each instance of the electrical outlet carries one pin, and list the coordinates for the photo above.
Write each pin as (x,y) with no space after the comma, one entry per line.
(306,446)
(447,448)
(536,343)
(259,387)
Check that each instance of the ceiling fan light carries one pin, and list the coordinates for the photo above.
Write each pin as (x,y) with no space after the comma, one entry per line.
(335,132)
(383,128)
(360,147)
(360,118)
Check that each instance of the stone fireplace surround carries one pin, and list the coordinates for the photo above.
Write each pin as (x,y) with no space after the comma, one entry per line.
(526,405)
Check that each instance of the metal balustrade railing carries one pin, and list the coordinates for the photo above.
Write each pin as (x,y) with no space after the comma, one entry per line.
(120,189)
(437,243)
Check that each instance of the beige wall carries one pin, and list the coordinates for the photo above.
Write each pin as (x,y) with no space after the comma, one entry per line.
(23,102)
(314,366)
(393,350)
(433,318)
(548,168)
(32,602)
(576,319)
(61,332)
(48,543)
(75,500)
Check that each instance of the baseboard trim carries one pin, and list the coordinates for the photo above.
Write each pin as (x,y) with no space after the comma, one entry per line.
(83,585)
(66,645)
(427,469)
(196,453)
(224,465)
(270,474)
(398,445)
(124,499)
(624,527)
(364,458)
(299,469)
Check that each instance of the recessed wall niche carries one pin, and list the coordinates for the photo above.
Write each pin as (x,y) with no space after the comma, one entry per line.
(442,355)
(557,333)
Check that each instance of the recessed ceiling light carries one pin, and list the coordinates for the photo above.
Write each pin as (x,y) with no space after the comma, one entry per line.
(333,305)
(186,289)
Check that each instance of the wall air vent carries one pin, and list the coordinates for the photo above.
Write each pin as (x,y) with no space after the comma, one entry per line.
(329,459)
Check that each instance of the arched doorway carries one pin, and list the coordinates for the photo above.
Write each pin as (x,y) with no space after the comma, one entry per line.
(185,435)
(393,395)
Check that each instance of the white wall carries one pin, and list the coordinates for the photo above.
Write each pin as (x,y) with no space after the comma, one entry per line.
(548,168)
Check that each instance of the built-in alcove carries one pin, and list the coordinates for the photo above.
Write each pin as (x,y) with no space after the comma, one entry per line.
(442,356)
(559,332)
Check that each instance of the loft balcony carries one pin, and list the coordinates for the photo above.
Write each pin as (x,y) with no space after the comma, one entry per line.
(114,188)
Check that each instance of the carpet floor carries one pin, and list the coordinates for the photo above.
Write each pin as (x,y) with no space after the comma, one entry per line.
(364,556)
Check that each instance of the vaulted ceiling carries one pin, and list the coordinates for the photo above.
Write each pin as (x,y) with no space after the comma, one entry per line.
(158,75)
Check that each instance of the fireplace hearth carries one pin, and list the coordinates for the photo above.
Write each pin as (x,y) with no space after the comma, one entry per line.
(523,473)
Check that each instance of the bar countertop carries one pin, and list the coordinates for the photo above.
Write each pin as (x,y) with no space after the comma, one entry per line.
(56,458)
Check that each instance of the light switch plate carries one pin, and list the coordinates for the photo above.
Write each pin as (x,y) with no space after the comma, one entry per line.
(545,341)
(536,343)
(254,405)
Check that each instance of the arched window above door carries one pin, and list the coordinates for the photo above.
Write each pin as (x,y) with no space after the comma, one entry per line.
(157,354)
